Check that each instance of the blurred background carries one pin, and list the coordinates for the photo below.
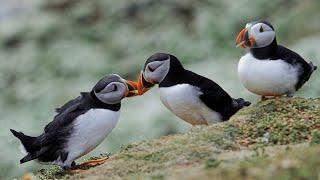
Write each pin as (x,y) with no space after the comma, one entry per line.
(50,50)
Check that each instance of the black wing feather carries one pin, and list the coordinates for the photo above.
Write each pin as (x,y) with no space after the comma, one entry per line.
(214,96)
(57,131)
(68,104)
(291,57)
(68,112)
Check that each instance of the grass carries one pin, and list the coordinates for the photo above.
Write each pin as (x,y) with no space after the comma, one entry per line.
(238,148)
(295,163)
(276,122)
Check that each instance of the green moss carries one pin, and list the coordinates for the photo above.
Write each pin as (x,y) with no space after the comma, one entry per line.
(126,147)
(279,121)
(159,176)
(315,137)
(55,172)
(300,163)
(246,143)
(212,163)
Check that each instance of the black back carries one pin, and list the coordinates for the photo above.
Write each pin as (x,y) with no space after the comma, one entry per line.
(213,95)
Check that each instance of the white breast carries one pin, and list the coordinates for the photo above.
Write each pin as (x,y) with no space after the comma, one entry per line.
(183,100)
(90,129)
(267,77)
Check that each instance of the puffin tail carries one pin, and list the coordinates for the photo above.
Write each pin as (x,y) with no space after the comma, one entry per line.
(313,67)
(242,103)
(237,104)
(28,146)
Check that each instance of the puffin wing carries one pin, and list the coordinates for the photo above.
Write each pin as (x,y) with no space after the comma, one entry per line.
(63,119)
(212,95)
(291,57)
(67,113)
(68,104)
(47,146)
(215,97)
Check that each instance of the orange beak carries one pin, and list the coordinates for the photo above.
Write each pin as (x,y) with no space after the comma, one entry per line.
(243,40)
(143,86)
(132,88)
(138,88)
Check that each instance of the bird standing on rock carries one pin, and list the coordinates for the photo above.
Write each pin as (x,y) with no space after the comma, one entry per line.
(80,125)
(269,69)
(194,98)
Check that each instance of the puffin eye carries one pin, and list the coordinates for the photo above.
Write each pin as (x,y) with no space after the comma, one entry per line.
(115,87)
(261,29)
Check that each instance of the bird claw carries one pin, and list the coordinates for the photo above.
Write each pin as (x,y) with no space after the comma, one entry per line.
(95,162)
(86,165)
(264,98)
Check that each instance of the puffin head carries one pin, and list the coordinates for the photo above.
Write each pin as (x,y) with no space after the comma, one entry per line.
(257,34)
(156,69)
(112,89)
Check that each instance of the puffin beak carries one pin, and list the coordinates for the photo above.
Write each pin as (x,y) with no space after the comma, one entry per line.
(132,88)
(137,88)
(243,40)
(143,85)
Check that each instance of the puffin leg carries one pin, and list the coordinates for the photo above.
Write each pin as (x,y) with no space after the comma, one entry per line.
(72,169)
(95,162)
(263,98)
(91,163)
(277,97)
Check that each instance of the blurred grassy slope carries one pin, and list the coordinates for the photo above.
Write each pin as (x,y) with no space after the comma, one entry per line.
(65,46)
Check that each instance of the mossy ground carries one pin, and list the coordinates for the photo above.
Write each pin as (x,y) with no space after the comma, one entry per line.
(277,138)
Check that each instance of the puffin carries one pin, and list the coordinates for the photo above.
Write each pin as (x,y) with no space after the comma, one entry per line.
(79,126)
(192,97)
(269,69)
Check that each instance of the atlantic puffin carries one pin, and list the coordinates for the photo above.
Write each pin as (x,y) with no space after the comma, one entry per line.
(79,126)
(269,69)
(193,98)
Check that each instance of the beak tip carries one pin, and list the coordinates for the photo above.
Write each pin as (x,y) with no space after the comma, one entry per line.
(240,40)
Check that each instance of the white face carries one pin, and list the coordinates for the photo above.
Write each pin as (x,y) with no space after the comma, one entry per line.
(156,71)
(112,93)
(262,33)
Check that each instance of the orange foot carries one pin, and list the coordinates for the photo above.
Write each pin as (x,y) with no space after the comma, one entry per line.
(86,165)
(277,97)
(95,162)
(26,176)
(263,98)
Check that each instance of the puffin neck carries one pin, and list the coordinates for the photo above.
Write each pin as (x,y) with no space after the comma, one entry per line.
(100,104)
(265,52)
(174,75)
